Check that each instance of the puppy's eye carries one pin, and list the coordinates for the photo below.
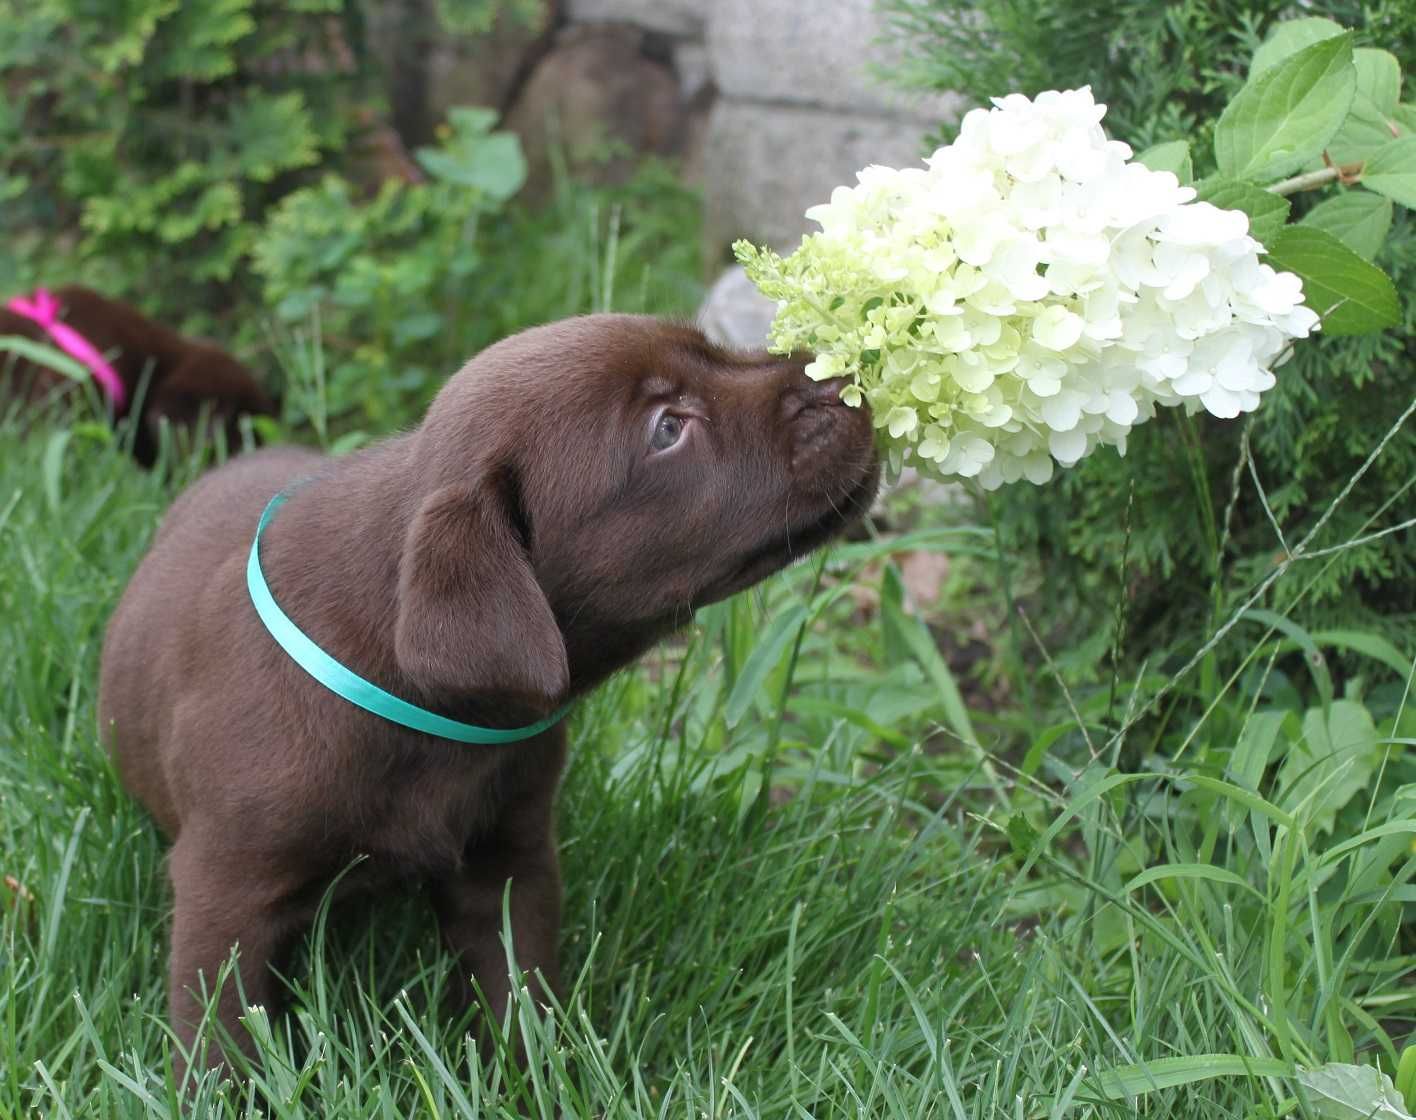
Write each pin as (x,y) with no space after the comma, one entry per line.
(668,430)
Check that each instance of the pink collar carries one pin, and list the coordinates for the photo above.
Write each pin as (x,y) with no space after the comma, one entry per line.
(43,308)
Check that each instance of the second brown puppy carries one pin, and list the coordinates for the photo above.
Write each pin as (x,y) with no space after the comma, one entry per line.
(573,494)
(165,375)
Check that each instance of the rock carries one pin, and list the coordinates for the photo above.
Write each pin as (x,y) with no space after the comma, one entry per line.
(691,65)
(671,17)
(930,491)
(734,313)
(428,68)
(923,574)
(765,164)
(824,53)
(598,96)
(484,69)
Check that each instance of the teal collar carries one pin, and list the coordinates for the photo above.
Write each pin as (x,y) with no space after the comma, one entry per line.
(344,682)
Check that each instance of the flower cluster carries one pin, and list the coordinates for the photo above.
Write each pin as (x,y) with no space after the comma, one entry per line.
(1029,295)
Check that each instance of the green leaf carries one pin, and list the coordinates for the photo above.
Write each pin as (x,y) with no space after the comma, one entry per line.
(1405,117)
(1267,211)
(1022,836)
(1370,126)
(1359,219)
(1369,645)
(198,40)
(218,205)
(769,650)
(52,468)
(833,710)
(1332,763)
(42,354)
(473,156)
(1338,1091)
(1289,37)
(1205,871)
(1286,116)
(349,441)
(1172,156)
(1167,1073)
(1312,656)
(1364,133)
(921,643)
(1406,1076)
(1251,753)
(1378,78)
(1251,801)
(1353,297)
(1392,171)
(416,327)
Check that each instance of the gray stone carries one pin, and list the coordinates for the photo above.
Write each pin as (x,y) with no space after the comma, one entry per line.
(602,101)
(818,53)
(481,69)
(765,164)
(694,73)
(671,17)
(427,68)
(932,492)
(734,313)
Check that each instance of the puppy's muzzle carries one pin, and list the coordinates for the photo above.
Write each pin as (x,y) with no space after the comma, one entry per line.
(826,434)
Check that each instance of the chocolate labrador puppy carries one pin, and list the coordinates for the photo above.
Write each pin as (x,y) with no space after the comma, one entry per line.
(572,495)
(185,377)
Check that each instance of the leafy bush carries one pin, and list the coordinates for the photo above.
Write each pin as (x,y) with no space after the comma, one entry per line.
(146,139)
(391,273)
(1168,71)
(394,293)
(204,161)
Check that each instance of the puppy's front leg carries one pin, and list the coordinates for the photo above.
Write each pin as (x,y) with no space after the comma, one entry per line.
(222,899)
(469,907)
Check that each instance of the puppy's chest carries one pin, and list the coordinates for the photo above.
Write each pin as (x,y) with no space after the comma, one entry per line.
(426,815)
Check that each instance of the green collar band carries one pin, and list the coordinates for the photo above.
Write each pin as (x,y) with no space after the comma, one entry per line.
(343,681)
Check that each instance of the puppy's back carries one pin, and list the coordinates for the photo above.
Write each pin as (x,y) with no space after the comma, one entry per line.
(199,551)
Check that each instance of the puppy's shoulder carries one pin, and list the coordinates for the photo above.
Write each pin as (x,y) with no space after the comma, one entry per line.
(237,492)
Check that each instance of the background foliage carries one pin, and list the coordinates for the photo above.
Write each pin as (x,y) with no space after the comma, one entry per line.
(224,164)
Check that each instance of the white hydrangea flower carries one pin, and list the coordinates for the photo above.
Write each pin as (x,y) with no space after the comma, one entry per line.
(1029,295)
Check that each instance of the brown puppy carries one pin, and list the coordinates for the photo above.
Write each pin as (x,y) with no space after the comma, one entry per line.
(571,496)
(184,375)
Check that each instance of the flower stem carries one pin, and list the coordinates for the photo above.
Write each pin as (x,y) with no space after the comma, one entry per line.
(1312,180)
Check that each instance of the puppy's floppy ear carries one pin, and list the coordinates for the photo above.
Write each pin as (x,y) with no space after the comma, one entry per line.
(472,620)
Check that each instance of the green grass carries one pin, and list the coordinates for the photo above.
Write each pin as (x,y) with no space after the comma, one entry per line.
(803,878)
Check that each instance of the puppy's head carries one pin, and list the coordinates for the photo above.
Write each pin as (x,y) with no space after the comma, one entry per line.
(203,389)
(584,486)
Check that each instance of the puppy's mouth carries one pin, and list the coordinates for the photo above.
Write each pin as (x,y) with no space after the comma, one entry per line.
(799,540)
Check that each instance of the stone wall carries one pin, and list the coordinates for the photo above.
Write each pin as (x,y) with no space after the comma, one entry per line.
(766,104)
(798,105)
(801,107)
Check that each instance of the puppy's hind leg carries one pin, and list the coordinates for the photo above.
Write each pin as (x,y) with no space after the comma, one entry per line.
(224,899)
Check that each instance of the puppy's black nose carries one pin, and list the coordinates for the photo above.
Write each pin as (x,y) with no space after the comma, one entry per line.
(805,394)
(826,436)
